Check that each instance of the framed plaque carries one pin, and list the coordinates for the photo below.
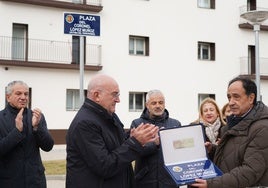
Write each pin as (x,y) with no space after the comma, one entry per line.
(185,155)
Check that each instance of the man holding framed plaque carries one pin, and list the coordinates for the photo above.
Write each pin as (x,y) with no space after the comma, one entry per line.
(185,156)
(242,153)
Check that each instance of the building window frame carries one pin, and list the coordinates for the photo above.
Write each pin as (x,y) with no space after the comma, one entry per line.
(76,49)
(251,5)
(138,45)
(73,99)
(206,51)
(202,96)
(137,101)
(20,42)
(208,4)
(251,60)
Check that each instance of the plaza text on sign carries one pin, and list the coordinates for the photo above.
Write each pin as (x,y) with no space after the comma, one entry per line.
(81,24)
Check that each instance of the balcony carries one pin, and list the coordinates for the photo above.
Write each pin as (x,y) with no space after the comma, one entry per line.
(80,5)
(249,70)
(47,54)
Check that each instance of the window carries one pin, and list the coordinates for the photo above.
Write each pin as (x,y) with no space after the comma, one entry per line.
(139,45)
(76,49)
(202,96)
(73,99)
(136,101)
(19,42)
(206,51)
(251,60)
(251,5)
(206,4)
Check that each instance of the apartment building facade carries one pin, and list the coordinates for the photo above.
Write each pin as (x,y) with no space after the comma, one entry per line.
(189,50)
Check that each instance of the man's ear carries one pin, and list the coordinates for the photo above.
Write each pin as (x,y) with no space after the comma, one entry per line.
(96,96)
(7,97)
(146,104)
(252,96)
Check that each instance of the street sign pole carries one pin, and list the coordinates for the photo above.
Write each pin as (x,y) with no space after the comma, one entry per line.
(81,25)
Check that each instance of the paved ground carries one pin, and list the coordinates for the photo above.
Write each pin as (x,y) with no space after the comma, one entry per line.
(58,152)
(56,181)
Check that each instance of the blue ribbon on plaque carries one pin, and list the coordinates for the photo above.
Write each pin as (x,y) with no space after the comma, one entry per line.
(185,156)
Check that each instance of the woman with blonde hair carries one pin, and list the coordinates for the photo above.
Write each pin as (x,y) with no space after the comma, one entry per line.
(210,116)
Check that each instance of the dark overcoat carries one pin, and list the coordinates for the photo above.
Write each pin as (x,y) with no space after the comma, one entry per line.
(20,160)
(99,154)
(149,168)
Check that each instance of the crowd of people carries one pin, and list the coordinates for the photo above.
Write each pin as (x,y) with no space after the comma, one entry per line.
(101,154)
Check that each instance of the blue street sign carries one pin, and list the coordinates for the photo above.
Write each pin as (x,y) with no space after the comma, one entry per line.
(81,24)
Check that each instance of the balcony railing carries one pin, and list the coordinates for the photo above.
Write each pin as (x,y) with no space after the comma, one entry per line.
(245,66)
(47,51)
(88,2)
(80,5)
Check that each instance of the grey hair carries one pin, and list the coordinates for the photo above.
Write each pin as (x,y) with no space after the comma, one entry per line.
(9,88)
(153,92)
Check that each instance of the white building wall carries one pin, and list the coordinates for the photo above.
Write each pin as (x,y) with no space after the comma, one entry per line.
(174,28)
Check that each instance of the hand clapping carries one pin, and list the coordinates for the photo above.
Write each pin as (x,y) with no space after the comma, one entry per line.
(145,133)
(36,117)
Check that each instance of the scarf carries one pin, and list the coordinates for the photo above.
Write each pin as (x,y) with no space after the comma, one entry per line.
(232,120)
(212,130)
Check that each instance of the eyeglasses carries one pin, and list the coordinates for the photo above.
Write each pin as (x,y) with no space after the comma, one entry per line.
(113,94)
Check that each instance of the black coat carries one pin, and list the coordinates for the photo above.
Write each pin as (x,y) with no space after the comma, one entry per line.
(20,160)
(98,153)
(149,169)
